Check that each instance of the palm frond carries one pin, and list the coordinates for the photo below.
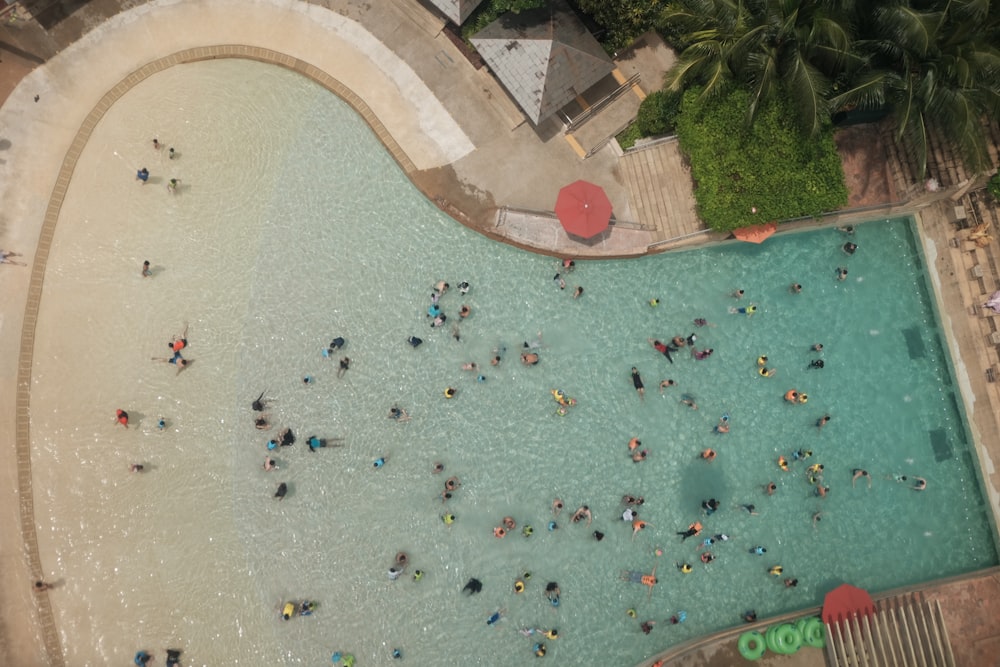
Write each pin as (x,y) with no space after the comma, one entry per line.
(911,29)
(808,88)
(868,92)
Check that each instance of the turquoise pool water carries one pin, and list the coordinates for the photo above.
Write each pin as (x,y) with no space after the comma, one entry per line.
(290,233)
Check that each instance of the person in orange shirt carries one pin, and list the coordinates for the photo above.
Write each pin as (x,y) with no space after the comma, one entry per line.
(179,342)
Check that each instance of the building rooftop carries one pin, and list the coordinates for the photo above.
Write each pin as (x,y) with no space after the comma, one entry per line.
(543,57)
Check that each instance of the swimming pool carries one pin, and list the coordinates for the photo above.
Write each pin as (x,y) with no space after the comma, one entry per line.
(286,234)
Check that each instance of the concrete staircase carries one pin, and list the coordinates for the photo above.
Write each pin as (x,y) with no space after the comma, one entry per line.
(905,631)
(660,189)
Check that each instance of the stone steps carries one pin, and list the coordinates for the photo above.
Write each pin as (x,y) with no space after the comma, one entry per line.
(660,190)
(905,631)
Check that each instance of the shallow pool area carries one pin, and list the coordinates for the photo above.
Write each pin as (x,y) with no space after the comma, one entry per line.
(292,226)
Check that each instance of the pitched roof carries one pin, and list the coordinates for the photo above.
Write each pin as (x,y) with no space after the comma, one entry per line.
(456,10)
(543,57)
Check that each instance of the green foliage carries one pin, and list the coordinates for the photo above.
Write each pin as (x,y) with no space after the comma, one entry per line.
(770,166)
(658,112)
(624,19)
(627,137)
(488,12)
(933,64)
(994,185)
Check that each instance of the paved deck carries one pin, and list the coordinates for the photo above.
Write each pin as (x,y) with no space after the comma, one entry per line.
(453,127)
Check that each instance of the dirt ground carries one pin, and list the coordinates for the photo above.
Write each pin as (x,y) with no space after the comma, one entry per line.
(863,158)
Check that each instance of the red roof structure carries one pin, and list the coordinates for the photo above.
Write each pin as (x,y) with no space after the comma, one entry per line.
(845,603)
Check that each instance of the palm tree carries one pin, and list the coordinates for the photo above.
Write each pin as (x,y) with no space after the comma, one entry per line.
(935,69)
(791,47)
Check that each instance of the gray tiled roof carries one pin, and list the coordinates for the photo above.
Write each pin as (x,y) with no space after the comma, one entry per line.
(543,57)
(456,10)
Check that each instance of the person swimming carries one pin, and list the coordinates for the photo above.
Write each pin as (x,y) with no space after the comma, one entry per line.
(692,530)
(817,363)
(472,586)
(553,593)
(582,513)
(662,348)
(414,341)
(744,310)
(282,490)
(637,383)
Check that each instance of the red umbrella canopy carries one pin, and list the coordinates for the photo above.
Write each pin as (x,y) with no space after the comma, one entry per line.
(845,602)
(583,209)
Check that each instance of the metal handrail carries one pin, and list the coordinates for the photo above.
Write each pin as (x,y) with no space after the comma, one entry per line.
(590,111)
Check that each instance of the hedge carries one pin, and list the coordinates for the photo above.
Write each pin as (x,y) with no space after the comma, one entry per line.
(747,175)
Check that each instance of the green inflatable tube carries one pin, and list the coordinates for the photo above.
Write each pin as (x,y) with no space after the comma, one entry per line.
(751,645)
(783,639)
(789,638)
(772,642)
(814,633)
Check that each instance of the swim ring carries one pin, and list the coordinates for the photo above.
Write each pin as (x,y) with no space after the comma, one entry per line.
(751,645)
(813,632)
(518,586)
(783,639)
(499,532)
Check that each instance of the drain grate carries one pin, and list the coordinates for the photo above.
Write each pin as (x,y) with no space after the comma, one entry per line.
(915,343)
(940,445)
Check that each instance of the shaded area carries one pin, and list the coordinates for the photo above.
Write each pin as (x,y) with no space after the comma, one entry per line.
(862,156)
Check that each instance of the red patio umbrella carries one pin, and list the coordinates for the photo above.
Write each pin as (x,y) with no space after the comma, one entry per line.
(756,233)
(583,209)
(846,602)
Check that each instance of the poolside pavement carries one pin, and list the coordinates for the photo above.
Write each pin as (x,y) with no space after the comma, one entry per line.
(454,123)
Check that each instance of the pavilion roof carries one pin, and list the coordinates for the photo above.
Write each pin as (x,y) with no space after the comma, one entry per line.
(544,57)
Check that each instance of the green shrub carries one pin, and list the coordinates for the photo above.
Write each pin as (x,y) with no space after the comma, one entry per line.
(488,12)
(658,113)
(771,167)
(994,185)
(627,137)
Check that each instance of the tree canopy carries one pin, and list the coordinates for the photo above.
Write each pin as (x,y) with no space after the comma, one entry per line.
(933,64)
